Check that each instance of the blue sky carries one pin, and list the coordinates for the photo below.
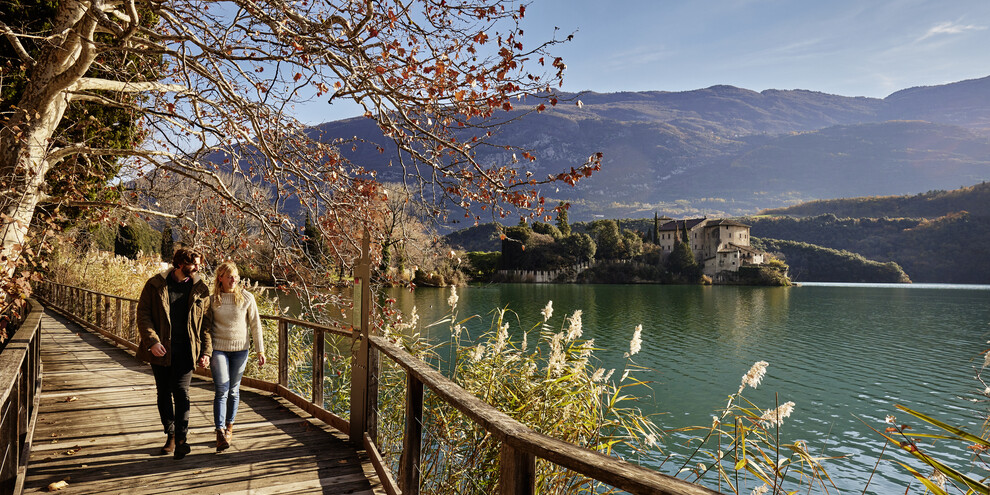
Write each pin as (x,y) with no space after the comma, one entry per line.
(850,48)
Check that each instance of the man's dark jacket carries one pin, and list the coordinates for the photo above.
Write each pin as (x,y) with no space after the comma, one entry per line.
(153,319)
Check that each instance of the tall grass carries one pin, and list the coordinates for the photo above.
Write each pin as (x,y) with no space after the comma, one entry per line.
(743,448)
(547,379)
(101,271)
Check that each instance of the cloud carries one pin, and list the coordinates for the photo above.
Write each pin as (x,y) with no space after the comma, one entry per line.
(950,28)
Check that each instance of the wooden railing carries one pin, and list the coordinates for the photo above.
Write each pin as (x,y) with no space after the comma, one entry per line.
(20,387)
(520,445)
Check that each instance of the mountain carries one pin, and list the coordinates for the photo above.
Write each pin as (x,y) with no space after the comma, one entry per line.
(727,151)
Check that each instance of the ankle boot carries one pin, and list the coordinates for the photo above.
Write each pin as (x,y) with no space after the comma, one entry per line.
(169,446)
(222,442)
(229,433)
(182,449)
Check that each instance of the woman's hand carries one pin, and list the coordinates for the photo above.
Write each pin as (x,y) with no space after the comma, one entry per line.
(261,359)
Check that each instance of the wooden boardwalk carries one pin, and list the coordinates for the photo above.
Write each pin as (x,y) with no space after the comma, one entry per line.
(98,430)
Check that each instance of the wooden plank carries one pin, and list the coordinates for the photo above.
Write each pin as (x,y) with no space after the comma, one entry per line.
(106,438)
(412,438)
(517,472)
(376,460)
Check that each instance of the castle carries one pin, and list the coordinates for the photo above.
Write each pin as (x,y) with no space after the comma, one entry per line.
(718,245)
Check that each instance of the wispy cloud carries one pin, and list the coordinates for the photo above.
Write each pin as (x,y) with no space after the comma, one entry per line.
(950,28)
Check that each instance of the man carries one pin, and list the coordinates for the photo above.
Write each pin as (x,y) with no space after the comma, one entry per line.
(170,321)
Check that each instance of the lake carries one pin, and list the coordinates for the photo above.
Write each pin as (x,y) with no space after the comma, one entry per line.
(841,352)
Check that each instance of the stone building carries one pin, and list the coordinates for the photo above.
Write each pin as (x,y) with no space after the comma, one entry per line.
(718,245)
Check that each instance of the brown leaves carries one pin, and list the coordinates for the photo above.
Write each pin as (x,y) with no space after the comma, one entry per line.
(58,485)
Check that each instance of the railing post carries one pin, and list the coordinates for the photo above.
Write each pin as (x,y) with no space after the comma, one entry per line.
(283,352)
(517,471)
(412,439)
(319,357)
(132,332)
(361,402)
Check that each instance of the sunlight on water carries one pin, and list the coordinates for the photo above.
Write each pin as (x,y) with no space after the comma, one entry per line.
(843,353)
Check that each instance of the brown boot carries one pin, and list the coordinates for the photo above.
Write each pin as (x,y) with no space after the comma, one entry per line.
(229,433)
(169,446)
(222,442)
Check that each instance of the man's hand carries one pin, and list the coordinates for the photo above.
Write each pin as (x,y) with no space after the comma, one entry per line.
(204,361)
(158,349)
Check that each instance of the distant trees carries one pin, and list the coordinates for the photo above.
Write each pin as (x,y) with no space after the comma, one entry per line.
(544,247)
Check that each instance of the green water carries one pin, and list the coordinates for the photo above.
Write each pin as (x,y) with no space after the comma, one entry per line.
(839,352)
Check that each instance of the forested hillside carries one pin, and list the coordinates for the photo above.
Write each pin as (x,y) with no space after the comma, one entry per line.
(811,263)
(932,204)
(948,249)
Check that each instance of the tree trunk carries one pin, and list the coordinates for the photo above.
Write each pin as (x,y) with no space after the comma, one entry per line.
(26,138)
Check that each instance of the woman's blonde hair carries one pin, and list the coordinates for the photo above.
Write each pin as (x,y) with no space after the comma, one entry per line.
(226,268)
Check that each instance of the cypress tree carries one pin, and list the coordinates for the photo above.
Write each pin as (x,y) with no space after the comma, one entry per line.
(565,228)
(167,247)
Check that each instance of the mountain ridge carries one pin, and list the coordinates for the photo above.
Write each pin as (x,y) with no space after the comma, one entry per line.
(728,151)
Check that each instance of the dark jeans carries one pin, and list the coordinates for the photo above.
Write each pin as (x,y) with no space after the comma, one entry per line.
(172,383)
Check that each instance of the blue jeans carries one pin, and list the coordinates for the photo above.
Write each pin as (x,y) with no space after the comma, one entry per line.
(227,368)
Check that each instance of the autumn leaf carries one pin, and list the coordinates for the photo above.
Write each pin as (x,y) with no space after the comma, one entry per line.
(58,485)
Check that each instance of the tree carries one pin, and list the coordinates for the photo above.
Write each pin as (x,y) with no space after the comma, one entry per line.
(632,244)
(656,228)
(134,238)
(167,248)
(610,242)
(579,247)
(562,225)
(681,261)
(548,229)
(313,244)
(217,84)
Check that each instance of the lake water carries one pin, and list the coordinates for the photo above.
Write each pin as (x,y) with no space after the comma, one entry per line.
(842,353)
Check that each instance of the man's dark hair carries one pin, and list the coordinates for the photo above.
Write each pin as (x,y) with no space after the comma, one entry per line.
(185,256)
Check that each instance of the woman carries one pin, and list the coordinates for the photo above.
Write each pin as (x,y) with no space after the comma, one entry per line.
(232,315)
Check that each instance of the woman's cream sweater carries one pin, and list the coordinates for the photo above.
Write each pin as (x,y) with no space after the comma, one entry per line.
(231,322)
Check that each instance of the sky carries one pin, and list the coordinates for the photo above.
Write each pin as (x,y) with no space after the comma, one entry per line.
(850,48)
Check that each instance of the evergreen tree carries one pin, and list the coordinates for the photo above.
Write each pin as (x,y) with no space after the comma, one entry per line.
(314,240)
(167,248)
(562,225)
(656,228)
(681,260)
(136,237)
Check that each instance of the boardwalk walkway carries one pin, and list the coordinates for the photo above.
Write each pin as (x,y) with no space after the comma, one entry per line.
(98,430)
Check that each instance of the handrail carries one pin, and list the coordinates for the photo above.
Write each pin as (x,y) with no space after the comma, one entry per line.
(624,475)
(20,392)
(521,445)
